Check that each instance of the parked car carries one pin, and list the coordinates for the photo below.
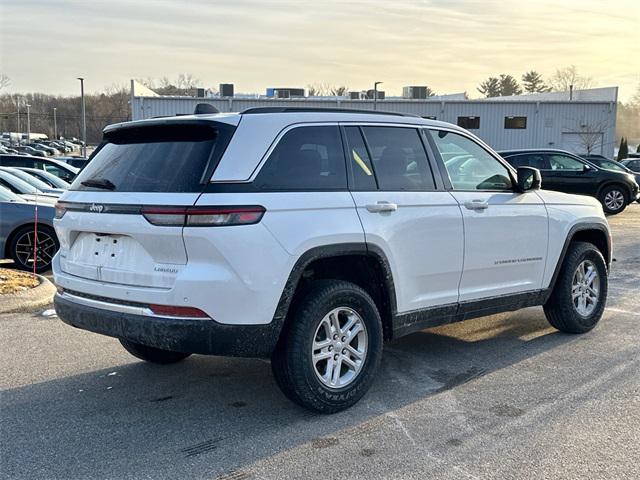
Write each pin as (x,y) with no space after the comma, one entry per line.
(31,151)
(18,232)
(24,189)
(48,178)
(632,164)
(565,172)
(310,236)
(78,162)
(50,150)
(33,181)
(57,168)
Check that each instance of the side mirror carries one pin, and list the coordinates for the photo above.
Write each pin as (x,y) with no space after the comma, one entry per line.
(529,179)
(586,168)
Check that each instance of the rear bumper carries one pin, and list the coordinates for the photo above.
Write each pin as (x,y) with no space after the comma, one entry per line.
(203,336)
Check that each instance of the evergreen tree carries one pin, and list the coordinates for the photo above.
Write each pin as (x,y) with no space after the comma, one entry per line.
(638,149)
(509,86)
(623,150)
(533,82)
(490,87)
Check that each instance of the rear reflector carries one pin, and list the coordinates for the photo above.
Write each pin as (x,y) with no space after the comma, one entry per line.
(61,209)
(172,311)
(203,216)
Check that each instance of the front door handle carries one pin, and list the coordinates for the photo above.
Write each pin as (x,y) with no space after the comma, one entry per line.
(476,204)
(382,207)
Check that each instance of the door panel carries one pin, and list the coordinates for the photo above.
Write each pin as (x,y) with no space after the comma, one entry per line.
(505,243)
(418,229)
(423,241)
(505,233)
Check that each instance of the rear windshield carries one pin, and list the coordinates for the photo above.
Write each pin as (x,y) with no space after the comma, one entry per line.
(161,158)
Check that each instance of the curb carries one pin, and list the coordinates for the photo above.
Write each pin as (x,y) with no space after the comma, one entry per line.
(28,300)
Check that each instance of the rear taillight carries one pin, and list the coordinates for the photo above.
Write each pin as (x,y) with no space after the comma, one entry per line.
(203,216)
(61,209)
(172,311)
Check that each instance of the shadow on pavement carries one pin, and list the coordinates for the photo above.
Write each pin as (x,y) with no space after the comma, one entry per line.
(207,415)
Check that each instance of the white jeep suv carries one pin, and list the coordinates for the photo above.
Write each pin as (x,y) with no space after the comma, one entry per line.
(310,237)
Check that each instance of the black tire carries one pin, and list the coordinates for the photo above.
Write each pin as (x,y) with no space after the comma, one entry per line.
(617,190)
(292,364)
(560,309)
(152,354)
(47,247)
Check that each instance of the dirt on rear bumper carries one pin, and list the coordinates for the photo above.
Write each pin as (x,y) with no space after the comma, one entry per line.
(203,336)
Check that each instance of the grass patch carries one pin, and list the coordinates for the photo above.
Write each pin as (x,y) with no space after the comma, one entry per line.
(14,281)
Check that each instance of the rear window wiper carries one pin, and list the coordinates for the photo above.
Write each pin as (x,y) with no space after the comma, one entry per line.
(99,183)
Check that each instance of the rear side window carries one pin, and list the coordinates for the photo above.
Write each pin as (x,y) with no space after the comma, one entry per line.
(562,162)
(399,159)
(165,158)
(529,160)
(305,158)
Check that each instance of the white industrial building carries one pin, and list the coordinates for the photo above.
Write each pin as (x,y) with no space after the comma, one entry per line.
(581,121)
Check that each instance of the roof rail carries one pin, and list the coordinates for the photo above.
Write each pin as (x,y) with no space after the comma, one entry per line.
(251,111)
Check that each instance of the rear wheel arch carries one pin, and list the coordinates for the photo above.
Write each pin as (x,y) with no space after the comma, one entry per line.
(363,265)
(614,183)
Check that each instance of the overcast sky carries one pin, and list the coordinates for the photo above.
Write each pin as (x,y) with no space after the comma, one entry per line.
(450,45)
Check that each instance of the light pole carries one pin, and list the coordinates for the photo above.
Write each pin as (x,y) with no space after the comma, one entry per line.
(375,95)
(28,124)
(84,119)
(55,124)
(18,125)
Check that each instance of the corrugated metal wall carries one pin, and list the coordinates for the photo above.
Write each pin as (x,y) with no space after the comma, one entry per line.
(546,121)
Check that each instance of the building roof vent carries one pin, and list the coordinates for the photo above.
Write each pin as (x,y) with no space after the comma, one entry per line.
(205,108)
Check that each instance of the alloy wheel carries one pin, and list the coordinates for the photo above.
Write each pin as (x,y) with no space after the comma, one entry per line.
(339,347)
(614,200)
(585,288)
(44,251)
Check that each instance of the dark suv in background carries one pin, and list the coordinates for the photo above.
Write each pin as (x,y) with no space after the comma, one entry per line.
(565,172)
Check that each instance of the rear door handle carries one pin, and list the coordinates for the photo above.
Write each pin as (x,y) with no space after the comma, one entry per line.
(476,204)
(382,207)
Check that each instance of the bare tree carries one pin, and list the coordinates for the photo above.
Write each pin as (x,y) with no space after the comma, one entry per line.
(313,90)
(324,89)
(339,90)
(4,81)
(567,77)
(590,134)
(186,81)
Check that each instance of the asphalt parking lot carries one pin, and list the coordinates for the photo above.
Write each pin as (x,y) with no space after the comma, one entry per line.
(502,397)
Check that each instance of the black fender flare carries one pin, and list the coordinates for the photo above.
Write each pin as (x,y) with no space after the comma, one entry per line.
(329,251)
(580,227)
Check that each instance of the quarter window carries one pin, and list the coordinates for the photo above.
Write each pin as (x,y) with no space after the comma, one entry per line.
(515,123)
(306,158)
(399,159)
(470,167)
(360,163)
(470,123)
(562,162)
